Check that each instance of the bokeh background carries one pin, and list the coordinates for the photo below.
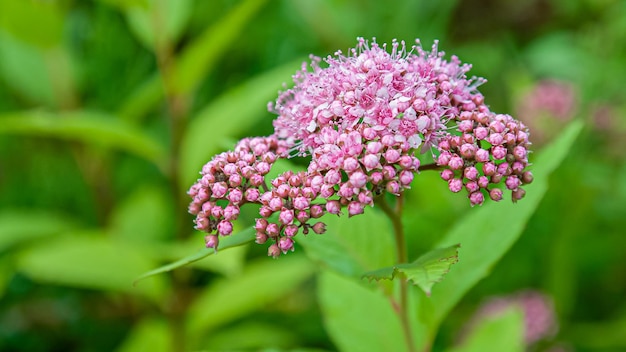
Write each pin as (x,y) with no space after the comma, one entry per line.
(109,108)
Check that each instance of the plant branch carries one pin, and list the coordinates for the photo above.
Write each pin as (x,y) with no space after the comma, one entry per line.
(403,309)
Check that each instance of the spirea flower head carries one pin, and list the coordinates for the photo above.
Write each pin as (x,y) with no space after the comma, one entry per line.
(362,120)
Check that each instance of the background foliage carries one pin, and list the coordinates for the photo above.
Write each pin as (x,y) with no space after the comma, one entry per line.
(109,108)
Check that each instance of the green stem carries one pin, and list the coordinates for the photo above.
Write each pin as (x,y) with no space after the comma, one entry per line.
(395,215)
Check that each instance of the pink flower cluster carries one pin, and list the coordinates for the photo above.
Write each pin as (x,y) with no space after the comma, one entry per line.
(362,120)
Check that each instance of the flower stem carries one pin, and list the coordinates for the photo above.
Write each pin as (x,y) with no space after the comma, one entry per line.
(396,221)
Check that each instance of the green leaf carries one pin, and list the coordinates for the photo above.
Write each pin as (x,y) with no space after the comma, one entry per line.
(202,54)
(427,270)
(258,335)
(39,23)
(246,236)
(353,246)
(264,281)
(17,226)
(501,332)
(160,22)
(195,62)
(90,261)
(234,111)
(143,216)
(488,232)
(148,335)
(87,127)
(357,318)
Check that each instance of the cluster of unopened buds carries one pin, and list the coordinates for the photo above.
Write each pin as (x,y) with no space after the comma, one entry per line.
(361,121)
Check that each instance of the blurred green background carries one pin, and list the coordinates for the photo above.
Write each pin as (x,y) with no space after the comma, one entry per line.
(109,108)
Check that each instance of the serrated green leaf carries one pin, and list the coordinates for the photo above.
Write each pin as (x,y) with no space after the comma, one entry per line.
(246,236)
(90,261)
(357,318)
(264,281)
(489,231)
(17,226)
(426,271)
(86,127)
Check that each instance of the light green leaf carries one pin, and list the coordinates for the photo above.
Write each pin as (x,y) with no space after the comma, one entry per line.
(195,62)
(426,271)
(259,335)
(200,57)
(87,127)
(233,112)
(265,280)
(246,236)
(38,23)
(160,22)
(17,226)
(488,232)
(501,332)
(148,335)
(353,246)
(90,261)
(357,318)
(143,216)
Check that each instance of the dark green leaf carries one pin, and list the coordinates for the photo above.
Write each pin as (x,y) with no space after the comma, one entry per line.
(427,270)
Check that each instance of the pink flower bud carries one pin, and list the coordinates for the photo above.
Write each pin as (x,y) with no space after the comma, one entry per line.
(283,190)
(389,172)
(202,223)
(406,177)
(455,185)
(291,230)
(265,211)
(272,230)
(392,156)
(527,177)
(470,173)
(519,152)
(350,164)
(393,187)
(355,208)
(489,169)
(316,211)
(466,126)
(406,162)
(512,182)
(374,147)
(295,180)
(332,177)
(285,244)
(333,207)
(456,163)
(252,195)
(371,161)
(224,228)
(211,241)
(376,177)
(482,156)
(263,168)
(319,228)
(273,251)
(481,133)
(476,198)
(261,238)
(518,167)
(303,216)
(286,216)
(217,212)
(504,169)
(231,212)
(235,196)
(517,194)
(468,150)
(495,194)
(358,179)
(497,126)
(301,203)
(483,182)
(498,152)
(444,159)
(447,174)
(260,225)
(218,190)
(256,180)
(495,139)
(275,203)
(472,186)
(327,191)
